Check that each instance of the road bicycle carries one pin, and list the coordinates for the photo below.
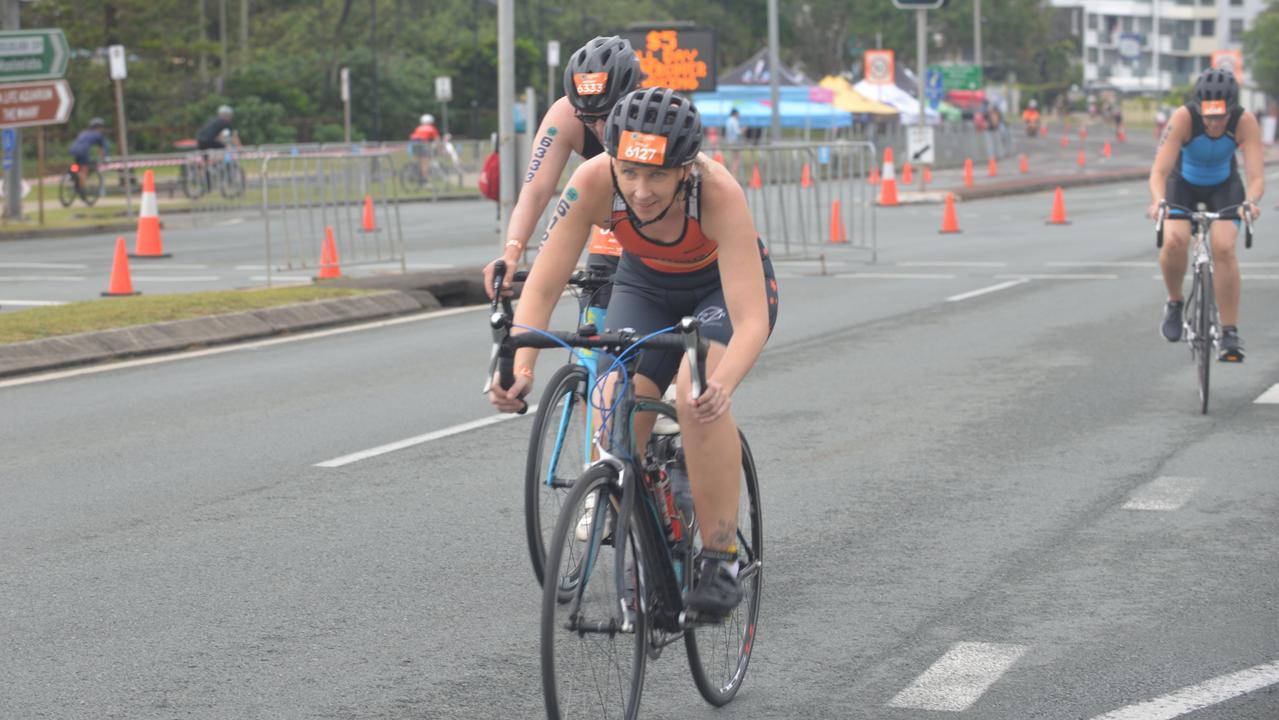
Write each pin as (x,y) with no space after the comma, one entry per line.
(70,187)
(200,176)
(1201,325)
(443,170)
(613,595)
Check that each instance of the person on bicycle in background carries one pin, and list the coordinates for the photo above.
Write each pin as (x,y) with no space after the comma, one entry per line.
(425,143)
(690,248)
(1195,163)
(82,147)
(1031,116)
(218,132)
(596,76)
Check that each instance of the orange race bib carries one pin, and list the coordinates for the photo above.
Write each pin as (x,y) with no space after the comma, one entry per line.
(603,243)
(642,148)
(1212,107)
(590,83)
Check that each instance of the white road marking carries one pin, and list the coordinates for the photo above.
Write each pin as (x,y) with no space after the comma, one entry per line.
(1258,264)
(42,266)
(174,278)
(43,278)
(250,267)
(896,276)
(1059,276)
(428,437)
(1195,697)
(983,291)
(1163,493)
(959,678)
(30,303)
(1269,397)
(1100,263)
(144,262)
(1246,276)
(952,263)
(283,278)
(140,362)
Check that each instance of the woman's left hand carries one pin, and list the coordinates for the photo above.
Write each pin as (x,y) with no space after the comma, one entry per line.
(713,403)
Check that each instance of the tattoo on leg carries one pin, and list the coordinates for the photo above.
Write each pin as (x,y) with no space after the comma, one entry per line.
(723,536)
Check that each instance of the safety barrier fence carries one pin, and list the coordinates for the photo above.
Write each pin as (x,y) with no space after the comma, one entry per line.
(355,195)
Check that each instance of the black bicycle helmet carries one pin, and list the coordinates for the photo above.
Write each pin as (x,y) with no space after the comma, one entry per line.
(661,112)
(591,94)
(1217,84)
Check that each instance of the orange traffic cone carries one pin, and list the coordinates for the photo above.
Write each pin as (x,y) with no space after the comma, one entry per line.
(928,174)
(121,283)
(949,223)
(369,225)
(1083,159)
(991,168)
(888,181)
(874,176)
(1105,149)
(1043,131)
(968,172)
(329,267)
(837,234)
(805,179)
(1123,136)
(1058,216)
(1083,133)
(755,181)
(719,157)
(907,177)
(147,244)
(1065,141)
(1024,164)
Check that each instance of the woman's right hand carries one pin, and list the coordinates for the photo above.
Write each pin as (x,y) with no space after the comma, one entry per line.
(506,281)
(1153,211)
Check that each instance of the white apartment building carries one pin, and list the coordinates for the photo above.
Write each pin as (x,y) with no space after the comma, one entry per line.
(1151,46)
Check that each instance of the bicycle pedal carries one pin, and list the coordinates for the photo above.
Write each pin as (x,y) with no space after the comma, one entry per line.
(691,618)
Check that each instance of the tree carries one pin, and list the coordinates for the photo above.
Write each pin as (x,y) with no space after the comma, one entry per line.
(1261,45)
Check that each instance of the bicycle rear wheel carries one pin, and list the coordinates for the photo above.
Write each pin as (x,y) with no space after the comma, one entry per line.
(558,451)
(719,654)
(411,180)
(67,190)
(591,666)
(91,189)
(1204,311)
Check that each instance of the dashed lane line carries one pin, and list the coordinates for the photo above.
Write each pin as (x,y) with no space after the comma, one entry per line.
(42,266)
(1195,697)
(953,263)
(42,278)
(960,677)
(1101,263)
(174,278)
(1269,397)
(896,276)
(420,439)
(1059,276)
(1163,493)
(30,303)
(985,290)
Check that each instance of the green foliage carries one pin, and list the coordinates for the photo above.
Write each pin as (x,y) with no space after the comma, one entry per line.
(1261,46)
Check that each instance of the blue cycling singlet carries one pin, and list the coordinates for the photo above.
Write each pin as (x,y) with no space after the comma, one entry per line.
(1205,160)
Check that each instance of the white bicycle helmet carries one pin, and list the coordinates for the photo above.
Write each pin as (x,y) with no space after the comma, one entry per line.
(427,119)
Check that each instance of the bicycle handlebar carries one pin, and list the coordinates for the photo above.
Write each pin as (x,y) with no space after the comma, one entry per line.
(1227,212)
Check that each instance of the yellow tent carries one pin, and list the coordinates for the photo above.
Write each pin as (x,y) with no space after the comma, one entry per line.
(849,100)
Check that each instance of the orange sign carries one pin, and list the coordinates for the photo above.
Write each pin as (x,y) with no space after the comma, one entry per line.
(681,59)
(1212,107)
(590,83)
(1229,60)
(878,66)
(642,148)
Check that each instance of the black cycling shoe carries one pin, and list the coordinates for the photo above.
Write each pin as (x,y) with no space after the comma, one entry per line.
(1231,346)
(1171,328)
(717,591)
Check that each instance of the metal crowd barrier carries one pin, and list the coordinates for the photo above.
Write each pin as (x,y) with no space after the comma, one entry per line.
(301,195)
(955,142)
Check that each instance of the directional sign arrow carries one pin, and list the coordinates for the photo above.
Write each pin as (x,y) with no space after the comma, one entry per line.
(921,152)
(38,103)
(33,54)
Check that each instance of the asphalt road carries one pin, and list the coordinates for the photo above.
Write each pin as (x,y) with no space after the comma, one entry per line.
(987,493)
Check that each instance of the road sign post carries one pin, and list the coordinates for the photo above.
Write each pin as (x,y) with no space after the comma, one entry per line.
(444,93)
(118,72)
(552,62)
(345,76)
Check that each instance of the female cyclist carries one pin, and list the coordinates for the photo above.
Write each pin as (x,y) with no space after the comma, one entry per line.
(596,76)
(689,248)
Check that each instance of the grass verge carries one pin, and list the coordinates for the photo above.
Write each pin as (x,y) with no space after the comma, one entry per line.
(111,313)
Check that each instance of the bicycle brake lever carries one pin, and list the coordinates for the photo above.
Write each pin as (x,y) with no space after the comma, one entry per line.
(688,328)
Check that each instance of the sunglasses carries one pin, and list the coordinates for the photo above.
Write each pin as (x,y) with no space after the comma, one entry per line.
(591,119)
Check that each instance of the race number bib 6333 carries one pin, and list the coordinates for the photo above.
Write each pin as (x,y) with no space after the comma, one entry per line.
(1212,107)
(642,148)
(590,83)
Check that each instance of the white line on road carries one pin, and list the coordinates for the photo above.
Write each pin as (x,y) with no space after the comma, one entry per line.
(30,303)
(896,276)
(410,442)
(43,278)
(1190,699)
(144,262)
(952,263)
(283,278)
(1099,263)
(1059,276)
(983,291)
(1269,397)
(1163,493)
(175,278)
(94,369)
(960,677)
(42,266)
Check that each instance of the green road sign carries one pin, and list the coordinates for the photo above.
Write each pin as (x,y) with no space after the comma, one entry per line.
(959,76)
(33,55)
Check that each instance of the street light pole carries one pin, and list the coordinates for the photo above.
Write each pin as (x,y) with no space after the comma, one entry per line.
(774,69)
(977,34)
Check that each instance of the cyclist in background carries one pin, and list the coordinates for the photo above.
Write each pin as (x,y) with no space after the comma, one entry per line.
(596,76)
(82,147)
(1031,116)
(425,142)
(218,132)
(1195,163)
(689,249)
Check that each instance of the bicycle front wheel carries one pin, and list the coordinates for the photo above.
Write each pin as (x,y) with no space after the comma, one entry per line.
(1204,311)
(411,178)
(718,654)
(91,190)
(594,633)
(193,180)
(232,181)
(558,450)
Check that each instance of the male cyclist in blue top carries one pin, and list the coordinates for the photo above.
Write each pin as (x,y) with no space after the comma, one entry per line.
(82,147)
(1195,163)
